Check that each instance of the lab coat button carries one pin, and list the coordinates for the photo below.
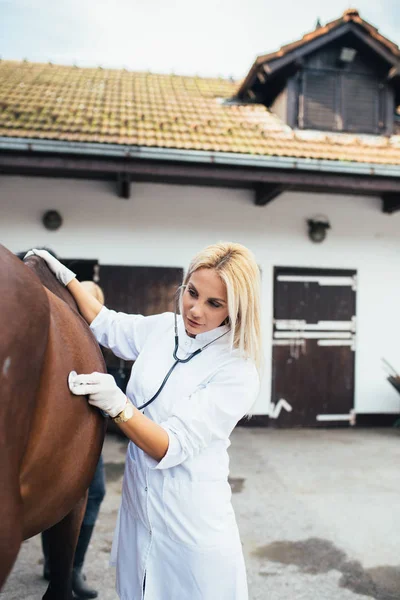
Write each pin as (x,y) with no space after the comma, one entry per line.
(145,489)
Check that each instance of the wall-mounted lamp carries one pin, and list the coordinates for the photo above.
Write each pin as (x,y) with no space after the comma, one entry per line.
(317,228)
(52,220)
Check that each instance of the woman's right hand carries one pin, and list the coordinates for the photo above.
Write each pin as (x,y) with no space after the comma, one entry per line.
(63,274)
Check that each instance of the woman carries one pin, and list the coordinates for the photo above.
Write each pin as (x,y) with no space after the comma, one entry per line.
(176,536)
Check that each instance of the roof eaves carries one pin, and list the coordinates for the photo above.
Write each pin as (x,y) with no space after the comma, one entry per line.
(374,32)
(39,146)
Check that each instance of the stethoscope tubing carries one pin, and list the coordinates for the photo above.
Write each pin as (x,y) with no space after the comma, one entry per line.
(177,361)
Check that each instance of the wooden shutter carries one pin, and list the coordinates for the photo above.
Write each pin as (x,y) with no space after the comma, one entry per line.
(341,101)
(318,103)
(360,103)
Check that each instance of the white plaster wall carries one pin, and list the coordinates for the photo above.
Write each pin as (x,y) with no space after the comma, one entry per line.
(165,225)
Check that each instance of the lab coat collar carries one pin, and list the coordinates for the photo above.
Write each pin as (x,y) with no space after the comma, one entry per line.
(189,343)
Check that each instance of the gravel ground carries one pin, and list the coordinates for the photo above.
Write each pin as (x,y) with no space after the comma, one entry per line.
(317,512)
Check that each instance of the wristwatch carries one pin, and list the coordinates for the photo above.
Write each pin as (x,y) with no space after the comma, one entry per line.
(125,414)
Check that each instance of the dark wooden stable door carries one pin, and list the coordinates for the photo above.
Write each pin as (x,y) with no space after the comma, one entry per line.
(313,347)
(137,290)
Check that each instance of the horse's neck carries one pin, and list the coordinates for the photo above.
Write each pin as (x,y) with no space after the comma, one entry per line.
(39,266)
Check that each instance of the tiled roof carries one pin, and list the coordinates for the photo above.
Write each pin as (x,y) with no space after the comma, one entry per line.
(165,111)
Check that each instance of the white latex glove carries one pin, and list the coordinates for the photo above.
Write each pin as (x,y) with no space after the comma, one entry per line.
(63,274)
(102,390)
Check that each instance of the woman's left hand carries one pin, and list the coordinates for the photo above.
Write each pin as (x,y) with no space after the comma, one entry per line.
(102,390)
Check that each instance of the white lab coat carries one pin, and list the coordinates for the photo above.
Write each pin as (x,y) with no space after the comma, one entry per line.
(176,524)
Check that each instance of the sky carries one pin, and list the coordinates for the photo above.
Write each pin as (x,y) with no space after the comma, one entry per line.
(208,38)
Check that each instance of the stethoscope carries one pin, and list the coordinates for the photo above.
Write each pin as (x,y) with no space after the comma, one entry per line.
(175,355)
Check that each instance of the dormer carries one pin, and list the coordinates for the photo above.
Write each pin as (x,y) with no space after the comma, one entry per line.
(342,77)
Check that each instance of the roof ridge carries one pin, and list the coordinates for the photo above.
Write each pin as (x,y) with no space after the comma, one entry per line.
(349,15)
(195,76)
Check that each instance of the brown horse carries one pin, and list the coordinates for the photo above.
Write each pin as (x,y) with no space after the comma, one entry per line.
(50,440)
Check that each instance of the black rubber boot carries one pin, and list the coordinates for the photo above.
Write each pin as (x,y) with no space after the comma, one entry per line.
(79,585)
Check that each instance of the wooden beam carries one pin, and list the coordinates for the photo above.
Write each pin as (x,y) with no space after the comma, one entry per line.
(196,174)
(376,45)
(390,202)
(124,185)
(260,77)
(393,73)
(266,192)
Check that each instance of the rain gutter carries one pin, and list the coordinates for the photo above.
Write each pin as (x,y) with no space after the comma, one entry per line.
(197,156)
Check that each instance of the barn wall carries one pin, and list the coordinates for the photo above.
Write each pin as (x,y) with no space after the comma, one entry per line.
(165,225)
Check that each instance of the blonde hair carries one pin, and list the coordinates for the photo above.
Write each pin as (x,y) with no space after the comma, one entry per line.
(237,268)
(94,289)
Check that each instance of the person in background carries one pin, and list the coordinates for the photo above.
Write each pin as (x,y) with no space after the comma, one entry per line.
(96,495)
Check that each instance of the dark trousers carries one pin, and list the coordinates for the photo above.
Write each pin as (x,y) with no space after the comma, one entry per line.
(97,491)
